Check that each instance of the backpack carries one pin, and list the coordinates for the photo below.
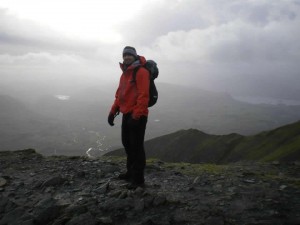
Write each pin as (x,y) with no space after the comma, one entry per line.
(151,66)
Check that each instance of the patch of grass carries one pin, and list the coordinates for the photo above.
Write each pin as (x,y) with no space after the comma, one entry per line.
(283,151)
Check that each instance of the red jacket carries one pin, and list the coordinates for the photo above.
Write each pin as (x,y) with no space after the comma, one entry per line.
(133,97)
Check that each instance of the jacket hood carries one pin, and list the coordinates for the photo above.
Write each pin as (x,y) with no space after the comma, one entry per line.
(139,62)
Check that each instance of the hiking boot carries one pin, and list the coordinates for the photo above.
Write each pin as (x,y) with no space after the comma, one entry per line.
(124,176)
(134,185)
(137,180)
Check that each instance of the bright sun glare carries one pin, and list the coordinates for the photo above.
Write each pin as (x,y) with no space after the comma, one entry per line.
(88,19)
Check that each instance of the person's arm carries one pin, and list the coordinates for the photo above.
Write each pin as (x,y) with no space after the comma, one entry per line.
(115,107)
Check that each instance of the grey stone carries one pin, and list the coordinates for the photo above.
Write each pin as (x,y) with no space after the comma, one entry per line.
(217,188)
(282,187)
(61,221)
(13,217)
(47,210)
(53,181)
(139,205)
(75,210)
(103,188)
(81,174)
(196,180)
(110,169)
(123,194)
(158,219)
(117,204)
(181,216)
(148,200)
(215,220)
(10,206)
(249,181)
(297,163)
(3,182)
(276,163)
(159,200)
(105,220)
(139,191)
(85,218)
(3,203)
(115,193)
(27,222)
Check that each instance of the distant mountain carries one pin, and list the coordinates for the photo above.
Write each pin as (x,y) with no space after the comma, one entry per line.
(37,118)
(15,117)
(22,126)
(194,146)
(182,107)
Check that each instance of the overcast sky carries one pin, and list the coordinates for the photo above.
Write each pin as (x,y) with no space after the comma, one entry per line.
(243,47)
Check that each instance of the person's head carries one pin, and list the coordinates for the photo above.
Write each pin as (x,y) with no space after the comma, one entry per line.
(129,55)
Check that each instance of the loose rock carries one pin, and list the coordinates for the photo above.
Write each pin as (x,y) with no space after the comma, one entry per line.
(75,190)
(3,182)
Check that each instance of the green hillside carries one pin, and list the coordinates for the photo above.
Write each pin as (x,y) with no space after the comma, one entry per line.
(280,144)
(194,146)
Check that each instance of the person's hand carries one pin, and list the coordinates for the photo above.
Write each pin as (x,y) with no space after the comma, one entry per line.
(111,118)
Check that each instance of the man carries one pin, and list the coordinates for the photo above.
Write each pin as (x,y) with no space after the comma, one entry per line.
(131,99)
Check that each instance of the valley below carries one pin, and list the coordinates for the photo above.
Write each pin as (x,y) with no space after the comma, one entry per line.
(74,121)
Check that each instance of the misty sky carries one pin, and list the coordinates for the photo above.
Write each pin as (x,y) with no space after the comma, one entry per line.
(243,47)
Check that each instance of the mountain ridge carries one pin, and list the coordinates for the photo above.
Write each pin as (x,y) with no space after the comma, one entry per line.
(194,146)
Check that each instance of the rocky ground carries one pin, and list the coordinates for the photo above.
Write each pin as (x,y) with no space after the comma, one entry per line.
(77,190)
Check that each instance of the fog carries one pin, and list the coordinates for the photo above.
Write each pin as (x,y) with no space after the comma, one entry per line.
(244,48)
(60,64)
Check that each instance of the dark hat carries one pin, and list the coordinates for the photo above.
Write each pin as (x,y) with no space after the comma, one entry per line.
(130,51)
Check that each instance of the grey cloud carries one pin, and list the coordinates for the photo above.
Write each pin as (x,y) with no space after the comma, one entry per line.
(158,19)
(219,31)
(242,47)
(36,50)
(34,56)
(19,36)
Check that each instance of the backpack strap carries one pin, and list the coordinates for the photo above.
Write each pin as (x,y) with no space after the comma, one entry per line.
(134,74)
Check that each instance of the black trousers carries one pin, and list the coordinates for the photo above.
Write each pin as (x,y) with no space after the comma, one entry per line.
(133,136)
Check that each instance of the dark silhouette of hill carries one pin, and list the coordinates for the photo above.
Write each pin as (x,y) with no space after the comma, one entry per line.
(194,146)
